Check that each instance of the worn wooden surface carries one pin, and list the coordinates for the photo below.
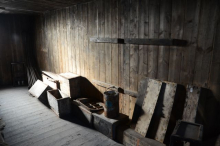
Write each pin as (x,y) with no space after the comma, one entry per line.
(162,42)
(28,122)
(119,89)
(35,7)
(70,84)
(59,102)
(108,126)
(132,138)
(38,88)
(149,103)
(191,103)
(107,40)
(51,82)
(124,65)
(162,112)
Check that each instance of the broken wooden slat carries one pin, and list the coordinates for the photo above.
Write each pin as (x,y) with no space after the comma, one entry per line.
(107,40)
(141,95)
(149,103)
(163,42)
(191,103)
(120,90)
(162,112)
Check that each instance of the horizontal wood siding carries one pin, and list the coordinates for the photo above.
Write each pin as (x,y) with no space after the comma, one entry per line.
(63,42)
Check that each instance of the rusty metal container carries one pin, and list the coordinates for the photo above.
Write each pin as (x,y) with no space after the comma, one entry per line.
(111,104)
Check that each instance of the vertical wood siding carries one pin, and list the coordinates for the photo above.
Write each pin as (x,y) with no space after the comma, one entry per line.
(15,36)
(63,42)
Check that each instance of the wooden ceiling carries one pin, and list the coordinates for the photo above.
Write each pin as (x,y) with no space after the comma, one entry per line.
(35,6)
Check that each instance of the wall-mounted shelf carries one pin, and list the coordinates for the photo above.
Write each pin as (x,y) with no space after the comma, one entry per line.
(107,40)
(162,42)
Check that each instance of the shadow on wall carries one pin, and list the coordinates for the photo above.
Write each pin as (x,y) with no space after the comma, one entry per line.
(88,90)
(208,114)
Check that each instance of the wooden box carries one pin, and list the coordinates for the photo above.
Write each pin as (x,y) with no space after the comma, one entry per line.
(108,126)
(54,84)
(83,114)
(70,84)
(59,102)
(132,138)
(39,90)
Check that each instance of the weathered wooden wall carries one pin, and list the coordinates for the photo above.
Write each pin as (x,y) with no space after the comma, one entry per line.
(14,38)
(63,42)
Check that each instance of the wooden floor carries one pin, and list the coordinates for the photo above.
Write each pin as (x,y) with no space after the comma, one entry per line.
(28,122)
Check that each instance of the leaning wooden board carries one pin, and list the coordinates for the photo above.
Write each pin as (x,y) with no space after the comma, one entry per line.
(191,103)
(149,103)
(39,90)
(166,106)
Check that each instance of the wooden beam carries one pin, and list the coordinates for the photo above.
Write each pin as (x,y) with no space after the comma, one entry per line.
(119,89)
(107,40)
(163,42)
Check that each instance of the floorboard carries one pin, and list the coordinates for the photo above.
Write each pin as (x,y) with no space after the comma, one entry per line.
(29,122)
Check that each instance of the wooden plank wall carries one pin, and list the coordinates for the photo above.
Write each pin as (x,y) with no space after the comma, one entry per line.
(15,34)
(63,42)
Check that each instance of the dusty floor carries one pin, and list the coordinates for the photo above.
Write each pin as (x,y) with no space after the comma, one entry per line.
(29,122)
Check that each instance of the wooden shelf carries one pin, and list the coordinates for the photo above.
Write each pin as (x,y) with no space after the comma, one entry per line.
(107,40)
(161,42)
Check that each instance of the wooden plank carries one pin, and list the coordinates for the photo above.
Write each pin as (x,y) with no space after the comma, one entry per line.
(80,40)
(119,89)
(73,38)
(191,25)
(126,56)
(161,41)
(114,34)
(56,59)
(148,106)
(121,28)
(58,42)
(142,33)
(154,18)
(133,33)
(207,28)
(68,39)
(178,7)
(214,82)
(85,38)
(101,33)
(77,34)
(160,120)
(106,40)
(191,103)
(108,52)
(142,86)
(61,42)
(165,28)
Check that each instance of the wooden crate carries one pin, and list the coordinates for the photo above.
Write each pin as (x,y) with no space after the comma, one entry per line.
(108,126)
(70,84)
(54,84)
(83,114)
(132,138)
(59,102)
